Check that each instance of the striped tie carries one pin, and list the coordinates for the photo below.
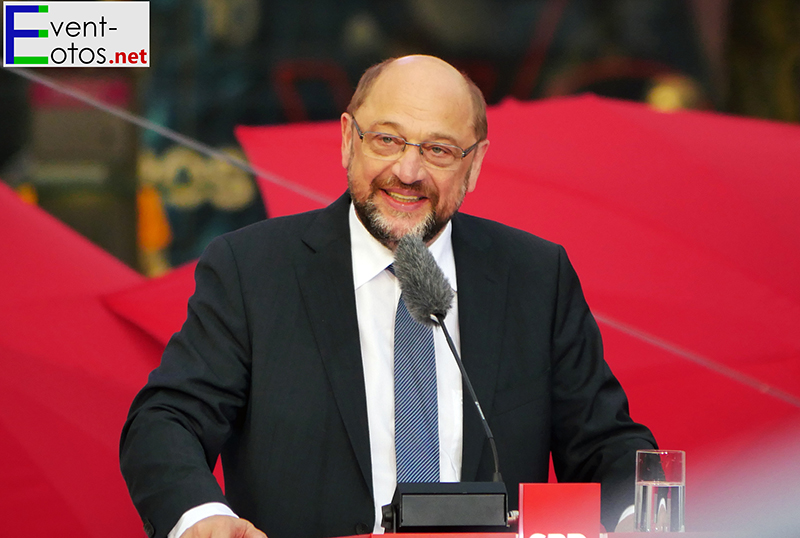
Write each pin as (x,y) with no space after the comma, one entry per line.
(416,408)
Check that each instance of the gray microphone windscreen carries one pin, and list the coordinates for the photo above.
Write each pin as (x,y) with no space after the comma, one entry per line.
(426,290)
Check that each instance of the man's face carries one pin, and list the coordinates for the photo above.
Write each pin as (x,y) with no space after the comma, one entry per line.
(390,208)
(395,198)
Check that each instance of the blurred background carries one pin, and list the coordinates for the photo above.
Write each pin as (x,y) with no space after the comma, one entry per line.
(155,204)
(683,225)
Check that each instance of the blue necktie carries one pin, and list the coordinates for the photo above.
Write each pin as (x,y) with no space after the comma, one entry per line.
(416,408)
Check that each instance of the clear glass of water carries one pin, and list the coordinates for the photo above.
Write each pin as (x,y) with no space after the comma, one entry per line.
(660,490)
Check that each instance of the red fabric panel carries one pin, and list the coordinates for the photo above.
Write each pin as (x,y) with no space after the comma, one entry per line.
(158,306)
(62,426)
(41,258)
(307,154)
(70,371)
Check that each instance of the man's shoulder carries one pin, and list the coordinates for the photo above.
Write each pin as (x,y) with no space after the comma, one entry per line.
(284,228)
(323,225)
(501,235)
(281,241)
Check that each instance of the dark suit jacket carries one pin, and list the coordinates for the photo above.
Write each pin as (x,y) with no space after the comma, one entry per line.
(267,370)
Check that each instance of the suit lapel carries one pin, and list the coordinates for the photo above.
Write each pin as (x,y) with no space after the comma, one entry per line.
(482,287)
(326,281)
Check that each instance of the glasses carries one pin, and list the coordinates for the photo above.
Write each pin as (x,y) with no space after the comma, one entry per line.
(390,147)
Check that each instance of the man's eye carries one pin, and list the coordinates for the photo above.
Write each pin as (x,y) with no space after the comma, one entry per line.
(439,151)
(388,140)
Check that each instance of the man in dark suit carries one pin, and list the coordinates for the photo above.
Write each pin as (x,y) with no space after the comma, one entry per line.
(282,363)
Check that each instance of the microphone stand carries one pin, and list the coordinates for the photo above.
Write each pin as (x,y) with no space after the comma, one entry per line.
(496,477)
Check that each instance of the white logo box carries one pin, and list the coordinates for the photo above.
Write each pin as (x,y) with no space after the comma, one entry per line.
(76,34)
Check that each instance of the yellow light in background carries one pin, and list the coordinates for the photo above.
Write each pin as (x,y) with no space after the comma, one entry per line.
(674,92)
(28,194)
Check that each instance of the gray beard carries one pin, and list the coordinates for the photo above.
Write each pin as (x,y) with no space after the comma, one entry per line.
(379,228)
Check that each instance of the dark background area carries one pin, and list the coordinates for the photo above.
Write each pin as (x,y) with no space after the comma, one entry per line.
(221,63)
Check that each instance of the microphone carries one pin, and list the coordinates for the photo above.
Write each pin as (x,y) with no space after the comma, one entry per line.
(426,290)
(441,507)
(429,297)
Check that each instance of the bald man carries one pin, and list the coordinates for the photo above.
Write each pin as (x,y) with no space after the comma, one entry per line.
(284,365)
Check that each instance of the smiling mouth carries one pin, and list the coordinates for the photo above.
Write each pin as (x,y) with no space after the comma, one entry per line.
(403,198)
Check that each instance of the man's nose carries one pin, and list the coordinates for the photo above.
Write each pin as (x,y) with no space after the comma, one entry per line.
(409,167)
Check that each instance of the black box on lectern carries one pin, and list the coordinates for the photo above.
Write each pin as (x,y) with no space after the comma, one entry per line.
(448,507)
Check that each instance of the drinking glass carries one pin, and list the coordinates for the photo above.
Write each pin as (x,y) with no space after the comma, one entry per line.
(660,490)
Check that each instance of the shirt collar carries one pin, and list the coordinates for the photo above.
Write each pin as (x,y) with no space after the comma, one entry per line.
(370,257)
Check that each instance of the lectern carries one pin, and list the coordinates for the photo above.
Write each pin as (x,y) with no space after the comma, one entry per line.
(546,511)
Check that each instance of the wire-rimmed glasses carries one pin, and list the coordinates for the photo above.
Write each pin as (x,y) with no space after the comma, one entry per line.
(389,147)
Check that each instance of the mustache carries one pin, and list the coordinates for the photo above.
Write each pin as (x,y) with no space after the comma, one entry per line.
(393,182)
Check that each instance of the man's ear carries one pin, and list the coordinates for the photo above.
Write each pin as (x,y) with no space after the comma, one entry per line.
(475,170)
(347,139)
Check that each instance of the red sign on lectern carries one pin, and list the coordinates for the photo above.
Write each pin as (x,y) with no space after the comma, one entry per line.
(559,510)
